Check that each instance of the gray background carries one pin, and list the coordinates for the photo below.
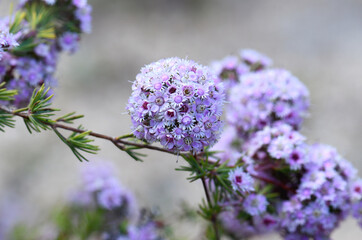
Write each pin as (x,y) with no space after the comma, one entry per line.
(319,41)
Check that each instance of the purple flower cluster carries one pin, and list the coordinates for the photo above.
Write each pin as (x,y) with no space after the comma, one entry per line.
(239,224)
(323,197)
(7,40)
(317,188)
(231,68)
(178,103)
(27,70)
(101,187)
(265,97)
(27,73)
(274,147)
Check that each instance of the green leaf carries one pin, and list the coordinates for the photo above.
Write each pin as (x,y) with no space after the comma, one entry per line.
(5,94)
(39,111)
(6,120)
(15,26)
(69,118)
(79,142)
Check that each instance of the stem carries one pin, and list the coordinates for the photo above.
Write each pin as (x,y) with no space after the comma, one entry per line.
(208,198)
(272,181)
(120,143)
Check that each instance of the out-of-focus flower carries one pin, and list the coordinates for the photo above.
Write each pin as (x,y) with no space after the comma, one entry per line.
(265,97)
(241,180)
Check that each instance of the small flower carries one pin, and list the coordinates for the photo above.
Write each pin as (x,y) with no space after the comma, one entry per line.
(110,197)
(356,190)
(255,204)
(281,147)
(69,42)
(42,50)
(296,158)
(240,180)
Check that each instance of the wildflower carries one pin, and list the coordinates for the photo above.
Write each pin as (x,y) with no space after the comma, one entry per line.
(69,42)
(265,97)
(255,204)
(178,103)
(240,180)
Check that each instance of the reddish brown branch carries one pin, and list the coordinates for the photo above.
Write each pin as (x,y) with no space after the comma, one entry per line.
(120,143)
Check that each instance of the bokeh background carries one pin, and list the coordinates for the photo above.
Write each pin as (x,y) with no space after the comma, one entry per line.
(318,41)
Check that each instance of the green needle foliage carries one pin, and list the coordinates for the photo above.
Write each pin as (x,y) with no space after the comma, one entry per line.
(69,118)
(6,119)
(79,142)
(217,187)
(5,94)
(38,116)
(39,111)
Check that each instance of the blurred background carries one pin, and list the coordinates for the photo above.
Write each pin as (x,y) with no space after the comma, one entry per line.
(318,41)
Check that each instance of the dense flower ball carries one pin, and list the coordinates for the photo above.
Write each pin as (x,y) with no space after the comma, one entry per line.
(265,97)
(178,103)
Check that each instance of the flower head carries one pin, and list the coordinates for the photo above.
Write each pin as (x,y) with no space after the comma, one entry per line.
(255,204)
(241,180)
(265,97)
(178,103)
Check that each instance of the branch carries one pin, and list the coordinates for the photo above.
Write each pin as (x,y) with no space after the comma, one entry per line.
(119,143)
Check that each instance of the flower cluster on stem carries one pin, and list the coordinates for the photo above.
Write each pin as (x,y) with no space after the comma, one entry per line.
(178,103)
(34,38)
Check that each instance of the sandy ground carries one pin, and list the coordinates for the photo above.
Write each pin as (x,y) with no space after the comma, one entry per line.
(318,41)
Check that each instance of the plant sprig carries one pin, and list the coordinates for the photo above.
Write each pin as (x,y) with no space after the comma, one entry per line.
(39,116)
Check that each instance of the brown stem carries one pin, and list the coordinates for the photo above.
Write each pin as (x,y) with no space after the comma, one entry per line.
(272,181)
(119,143)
